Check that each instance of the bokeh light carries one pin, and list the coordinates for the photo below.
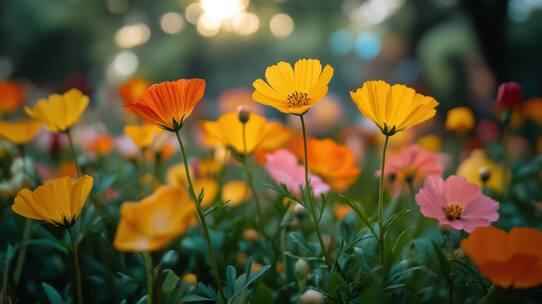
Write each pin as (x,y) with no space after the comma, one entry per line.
(281,25)
(246,24)
(172,22)
(341,42)
(367,45)
(133,35)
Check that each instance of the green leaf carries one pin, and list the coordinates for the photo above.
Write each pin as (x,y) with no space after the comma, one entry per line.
(143,300)
(443,261)
(262,294)
(170,282)
(194,298)
(361,213)
(52,294)
(395,217)
(231,276)
(252,278)
(399,244)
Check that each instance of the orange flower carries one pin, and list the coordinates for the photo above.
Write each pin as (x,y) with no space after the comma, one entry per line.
(131,90)
(102,145)
(508,260)
(153,222)
(11,96)
(333,162)
(168,104)
(532,109)
(341,211)
(19,132)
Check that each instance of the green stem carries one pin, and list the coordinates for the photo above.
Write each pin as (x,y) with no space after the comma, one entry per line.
(77,267)
(201,217)
(311,199)
(381,203)
(74,153)
(147,259)
(6,276)
(506,161)
(250,180)
(26,231)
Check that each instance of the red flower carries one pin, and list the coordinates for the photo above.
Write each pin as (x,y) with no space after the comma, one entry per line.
(510,95)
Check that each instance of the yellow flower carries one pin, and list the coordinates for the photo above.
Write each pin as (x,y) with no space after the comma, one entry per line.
(477,165)
(176,175)
(430,143)
(393,108)
(293,91)
(228,131)
(190,278)
(19,132)
(460,119)
(153,222)
(58,201)
(235,192)
(142,136)
(59,112)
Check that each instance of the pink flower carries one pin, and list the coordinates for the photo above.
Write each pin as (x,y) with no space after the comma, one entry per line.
(283,167)
(456,203)
(413,164)
(126,147)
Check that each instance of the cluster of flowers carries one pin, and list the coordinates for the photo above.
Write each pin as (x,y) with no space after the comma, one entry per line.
(304,168)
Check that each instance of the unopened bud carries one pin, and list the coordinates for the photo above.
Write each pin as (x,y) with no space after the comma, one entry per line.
(301,271)
(243,113)
(299,210)
(311,296)
(510,95)
(484,173)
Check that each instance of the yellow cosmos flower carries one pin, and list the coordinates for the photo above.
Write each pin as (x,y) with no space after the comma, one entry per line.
(235,192)
(460,119)
(58,201)
(293,91)
(59,112)
(393,108)
(477,167)
(228,131)
(156,220)
(142,136)
(19,132)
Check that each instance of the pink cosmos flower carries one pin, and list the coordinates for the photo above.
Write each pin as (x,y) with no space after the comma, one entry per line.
(413,164)
(456,203)
(283,167)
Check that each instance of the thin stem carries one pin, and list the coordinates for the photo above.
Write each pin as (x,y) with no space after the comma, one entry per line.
(201,217)
(311,199)
(26,231)
(506,161)
(250,180)
(77,266)
(74,153)
(381,202)
(147,259)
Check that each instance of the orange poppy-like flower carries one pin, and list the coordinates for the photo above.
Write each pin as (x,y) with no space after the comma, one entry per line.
(59,112)
(58,201)
(142,136)
(341,211)
(508,260)
(293,91)
(168,104)
(131,90)
(333,162)
(102,145)
(19,132)
(156,220)
(11,96)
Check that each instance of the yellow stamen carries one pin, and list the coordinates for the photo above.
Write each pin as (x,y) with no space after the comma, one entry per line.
(298,99)
(453,211)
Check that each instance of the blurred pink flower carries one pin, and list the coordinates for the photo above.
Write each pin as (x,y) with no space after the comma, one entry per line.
(283,167)
(126,147)
(487,130)
(413,164)
(456,203)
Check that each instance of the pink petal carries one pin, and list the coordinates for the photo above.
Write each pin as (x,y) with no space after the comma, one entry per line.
(458,190)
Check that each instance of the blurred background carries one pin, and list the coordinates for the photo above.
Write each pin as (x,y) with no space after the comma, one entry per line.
(455,50)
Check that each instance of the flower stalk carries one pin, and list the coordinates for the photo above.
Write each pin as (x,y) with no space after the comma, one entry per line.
(311,198)
(27,228)
(380,213)
(147,259)
(75,251)
(74,153)
(201,217)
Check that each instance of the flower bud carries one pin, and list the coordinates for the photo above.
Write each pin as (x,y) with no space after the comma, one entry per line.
(301,271)
(510,95)
(243,113)
(311,296)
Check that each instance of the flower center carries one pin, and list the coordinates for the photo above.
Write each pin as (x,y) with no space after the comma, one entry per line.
(298,99)
(453,211)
